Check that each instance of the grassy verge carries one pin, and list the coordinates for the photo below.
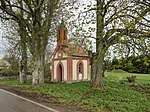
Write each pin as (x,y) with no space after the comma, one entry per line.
(118,97)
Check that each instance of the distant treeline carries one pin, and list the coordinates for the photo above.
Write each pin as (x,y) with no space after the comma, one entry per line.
(132,64)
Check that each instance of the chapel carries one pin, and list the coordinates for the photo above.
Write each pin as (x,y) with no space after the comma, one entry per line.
(70,62)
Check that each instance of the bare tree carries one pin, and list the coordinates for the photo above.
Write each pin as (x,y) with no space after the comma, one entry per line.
(34,18)
(16,38)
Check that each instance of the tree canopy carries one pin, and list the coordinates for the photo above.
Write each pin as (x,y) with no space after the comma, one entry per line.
(34,20)
(123,24)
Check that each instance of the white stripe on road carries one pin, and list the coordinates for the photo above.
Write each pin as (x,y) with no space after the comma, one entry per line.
(48,108)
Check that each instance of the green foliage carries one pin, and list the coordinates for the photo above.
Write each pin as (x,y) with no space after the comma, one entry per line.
(9,66)
(133,64)
(118,97)
(47,69)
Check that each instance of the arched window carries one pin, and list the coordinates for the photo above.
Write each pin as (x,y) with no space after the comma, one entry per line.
(80,68)
(59,35)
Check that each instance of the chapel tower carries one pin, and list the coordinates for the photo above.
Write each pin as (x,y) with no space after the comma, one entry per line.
(62,34)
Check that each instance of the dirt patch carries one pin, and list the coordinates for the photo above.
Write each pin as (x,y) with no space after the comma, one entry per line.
(45,99)
(141,89)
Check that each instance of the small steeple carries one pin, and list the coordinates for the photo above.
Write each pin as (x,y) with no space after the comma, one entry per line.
(62,23)
(62,34)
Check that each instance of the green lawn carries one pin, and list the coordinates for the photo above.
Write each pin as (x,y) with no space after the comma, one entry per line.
(118,97)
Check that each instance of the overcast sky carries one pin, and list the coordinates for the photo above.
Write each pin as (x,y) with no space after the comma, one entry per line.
(2,42)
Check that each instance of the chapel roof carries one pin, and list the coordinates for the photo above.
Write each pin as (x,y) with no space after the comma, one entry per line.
(74,50)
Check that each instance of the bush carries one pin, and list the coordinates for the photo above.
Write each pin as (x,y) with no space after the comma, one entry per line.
(131,79)
(8,73)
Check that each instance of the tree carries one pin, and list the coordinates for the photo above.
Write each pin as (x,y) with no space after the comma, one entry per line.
(13,61)
(122,24)
(137,64)
(34,19)
(15,36)
(109,32)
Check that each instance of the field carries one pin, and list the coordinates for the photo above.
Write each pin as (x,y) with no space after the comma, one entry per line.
(119,96)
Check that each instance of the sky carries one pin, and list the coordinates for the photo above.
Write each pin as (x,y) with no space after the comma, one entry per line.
(2,43)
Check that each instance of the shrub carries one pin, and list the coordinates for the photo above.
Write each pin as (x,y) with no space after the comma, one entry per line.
(131,79)
(8,73)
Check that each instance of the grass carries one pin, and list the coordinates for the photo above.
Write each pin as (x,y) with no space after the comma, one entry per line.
(118,97)
(119,75)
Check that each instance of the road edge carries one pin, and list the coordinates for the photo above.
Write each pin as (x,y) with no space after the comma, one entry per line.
(36,103)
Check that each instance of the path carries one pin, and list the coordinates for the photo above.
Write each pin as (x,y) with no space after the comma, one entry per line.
(10,102)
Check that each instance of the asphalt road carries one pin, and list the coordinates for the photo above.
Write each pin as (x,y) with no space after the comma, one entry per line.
(12,103)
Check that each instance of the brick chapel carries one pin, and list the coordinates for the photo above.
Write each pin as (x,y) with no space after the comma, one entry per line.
(70,62)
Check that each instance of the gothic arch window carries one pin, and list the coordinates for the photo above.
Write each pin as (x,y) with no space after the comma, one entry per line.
(80,68)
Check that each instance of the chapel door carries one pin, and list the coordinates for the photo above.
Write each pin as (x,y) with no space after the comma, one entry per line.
(60,73)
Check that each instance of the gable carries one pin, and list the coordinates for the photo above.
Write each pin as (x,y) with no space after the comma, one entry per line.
(75,50)
(65,51)
(61,54)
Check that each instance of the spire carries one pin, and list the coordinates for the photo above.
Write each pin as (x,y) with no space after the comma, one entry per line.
(62,24)
(62,34)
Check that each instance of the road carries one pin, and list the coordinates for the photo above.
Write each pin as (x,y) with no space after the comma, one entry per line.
(10,102)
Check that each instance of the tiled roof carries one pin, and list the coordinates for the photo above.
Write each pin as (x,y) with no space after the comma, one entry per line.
(74,50)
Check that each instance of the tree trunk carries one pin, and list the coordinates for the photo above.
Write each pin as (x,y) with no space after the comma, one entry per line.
(42,72)
(23,69)
(38,67)
(38,71)
(23,61)
(22,76)
(98,59)
(97,72)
